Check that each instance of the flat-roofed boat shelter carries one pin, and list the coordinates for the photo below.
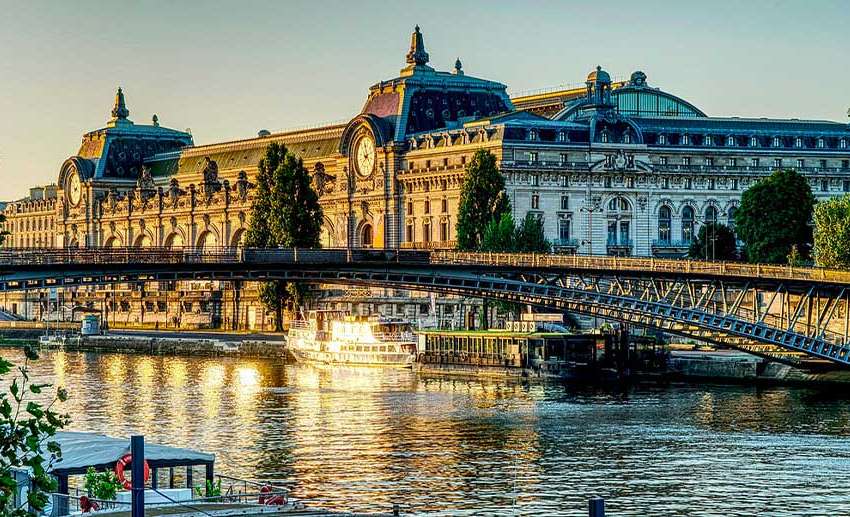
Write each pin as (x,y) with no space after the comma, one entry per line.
(83,450)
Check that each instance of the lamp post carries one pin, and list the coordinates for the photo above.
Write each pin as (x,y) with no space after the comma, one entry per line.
(593,206)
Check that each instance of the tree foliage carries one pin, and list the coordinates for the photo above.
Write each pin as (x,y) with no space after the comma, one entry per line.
(482,200)
(774,216)
(503,236)
(285,213)
(714,241)
(832,232)
(27,427)
(530,237)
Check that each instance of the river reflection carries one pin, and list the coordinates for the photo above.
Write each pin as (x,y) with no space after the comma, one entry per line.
(361,439)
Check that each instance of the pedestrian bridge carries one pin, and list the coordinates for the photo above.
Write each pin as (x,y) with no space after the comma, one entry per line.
(793,314)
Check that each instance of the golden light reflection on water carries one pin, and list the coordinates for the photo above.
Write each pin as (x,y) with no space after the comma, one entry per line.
(359,439)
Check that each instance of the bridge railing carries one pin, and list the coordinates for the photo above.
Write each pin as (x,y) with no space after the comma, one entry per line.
(67,256)
(641,264)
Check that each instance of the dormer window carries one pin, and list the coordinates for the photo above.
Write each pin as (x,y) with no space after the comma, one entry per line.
(662,139)
(707,140)
(686,140)
(604,137)
(730,140)
(562,136)
(627,138)
(776,142)
(821,143)
(754,141)
(532,135)
(843,143)
(798,142)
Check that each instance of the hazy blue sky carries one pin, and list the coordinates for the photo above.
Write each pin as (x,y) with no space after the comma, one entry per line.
(228,69)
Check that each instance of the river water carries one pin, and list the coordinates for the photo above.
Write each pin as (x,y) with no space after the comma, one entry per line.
(361,439)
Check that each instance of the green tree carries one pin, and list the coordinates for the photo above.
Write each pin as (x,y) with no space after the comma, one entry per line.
(714,241)
(27,428)
(499,235)
(482,199)
(529,236)
(774,215)
(832,232)
(285,213)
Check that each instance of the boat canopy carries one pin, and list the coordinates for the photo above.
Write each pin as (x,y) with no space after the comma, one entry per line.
(83,450)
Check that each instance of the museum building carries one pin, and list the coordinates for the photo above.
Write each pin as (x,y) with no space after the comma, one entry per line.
(614,167)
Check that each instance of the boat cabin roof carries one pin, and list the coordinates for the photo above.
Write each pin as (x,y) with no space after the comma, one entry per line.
(83,450)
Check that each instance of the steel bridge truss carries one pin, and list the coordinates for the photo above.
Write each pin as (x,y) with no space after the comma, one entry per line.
(761,317)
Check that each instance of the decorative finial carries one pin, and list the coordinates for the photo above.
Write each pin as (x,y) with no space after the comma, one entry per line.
(598,68)
(458,67)
(417,54)
(155,120)
(120,111)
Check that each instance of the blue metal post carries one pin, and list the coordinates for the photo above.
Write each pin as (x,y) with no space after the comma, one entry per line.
(137,450)
(596,506)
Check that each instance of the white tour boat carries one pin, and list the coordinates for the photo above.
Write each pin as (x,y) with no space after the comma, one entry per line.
(331,337)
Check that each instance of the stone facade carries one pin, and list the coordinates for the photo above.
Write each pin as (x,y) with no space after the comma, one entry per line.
(611,168)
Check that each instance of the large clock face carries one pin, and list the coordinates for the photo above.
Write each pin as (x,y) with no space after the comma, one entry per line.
(364,155)
(75,189)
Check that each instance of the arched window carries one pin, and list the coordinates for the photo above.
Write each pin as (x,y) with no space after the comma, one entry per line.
(619,204)
(687,224)
(366,236)
(710,215)
(662,139)
(665,219)
(707,140)
(730,141)
(754,141)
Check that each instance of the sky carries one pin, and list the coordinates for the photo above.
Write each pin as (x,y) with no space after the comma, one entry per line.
(228,69)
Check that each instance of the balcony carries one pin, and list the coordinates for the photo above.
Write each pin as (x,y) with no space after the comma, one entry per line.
(619,247)
(565,245)
(670,244)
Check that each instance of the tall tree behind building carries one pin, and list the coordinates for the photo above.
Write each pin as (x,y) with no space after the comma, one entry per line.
(285,213)
(774,216)
(482,200)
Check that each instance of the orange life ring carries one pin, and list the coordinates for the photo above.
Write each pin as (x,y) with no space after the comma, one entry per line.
(122,463)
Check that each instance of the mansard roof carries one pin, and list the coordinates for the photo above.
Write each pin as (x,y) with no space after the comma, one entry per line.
(744,125)
(423,99)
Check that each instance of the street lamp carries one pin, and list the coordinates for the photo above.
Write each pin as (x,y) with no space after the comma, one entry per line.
(595,206)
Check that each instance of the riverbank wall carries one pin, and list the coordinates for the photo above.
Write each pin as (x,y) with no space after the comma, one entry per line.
(154,345)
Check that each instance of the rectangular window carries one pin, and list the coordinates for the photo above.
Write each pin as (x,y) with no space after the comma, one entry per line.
(734,183)
(800,163)
(563,158)
(427,206)
(823,164)
(689,183)
(845,186)
(532,157)
(565,202)
(733,162)
(777,162)
(662,160)
(709,161)
(427,164)
(444,231)
(444,205)
(630,183)
(776,141)
(824,185)
(409,236)
(535,202)
(686,160)
(845,164)
(535,180)
(410,208)
(564,230)
(665,183)
(711,184)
